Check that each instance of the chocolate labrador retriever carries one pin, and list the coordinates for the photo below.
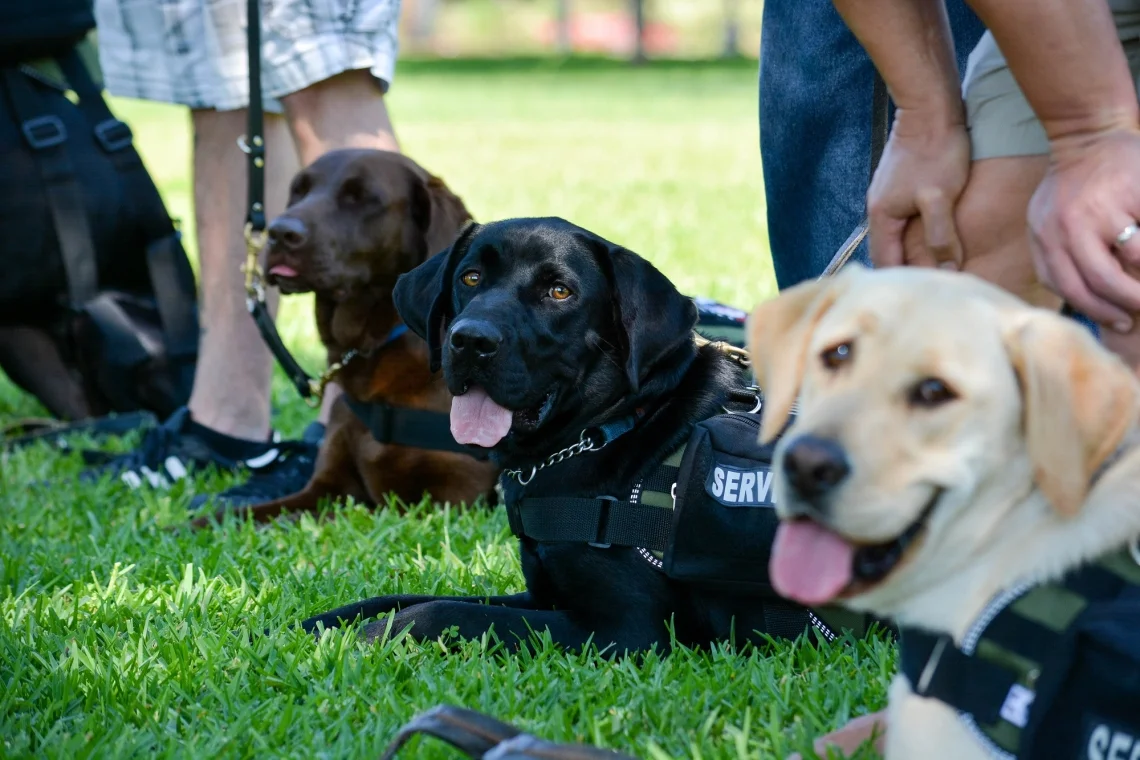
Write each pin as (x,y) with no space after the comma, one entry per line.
(355,221)
(546,333)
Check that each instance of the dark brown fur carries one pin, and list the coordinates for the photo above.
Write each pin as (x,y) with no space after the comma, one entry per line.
(356,220)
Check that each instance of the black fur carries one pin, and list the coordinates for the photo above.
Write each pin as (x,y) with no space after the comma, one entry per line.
(621,343)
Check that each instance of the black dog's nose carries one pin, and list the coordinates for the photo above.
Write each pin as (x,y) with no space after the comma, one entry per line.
(478,337)
(288,232)
(815,465)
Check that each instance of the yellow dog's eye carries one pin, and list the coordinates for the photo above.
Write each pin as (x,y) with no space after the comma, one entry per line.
(470,279)
(560,292)
(837,355)
(931,392)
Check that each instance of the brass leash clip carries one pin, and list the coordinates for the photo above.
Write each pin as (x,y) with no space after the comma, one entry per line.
(737,355)
(254,289)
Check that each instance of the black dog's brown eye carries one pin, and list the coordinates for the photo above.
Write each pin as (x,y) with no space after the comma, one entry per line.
(352,191)
(930,392)
(470,279)
(560,292)
(835,356)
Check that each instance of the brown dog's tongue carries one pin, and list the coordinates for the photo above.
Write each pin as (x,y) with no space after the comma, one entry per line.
(476,419)
(809,563)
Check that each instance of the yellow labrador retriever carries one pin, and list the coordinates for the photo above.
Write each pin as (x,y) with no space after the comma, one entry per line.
(950,443)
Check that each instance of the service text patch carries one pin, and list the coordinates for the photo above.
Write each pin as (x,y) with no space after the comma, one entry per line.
(739,487)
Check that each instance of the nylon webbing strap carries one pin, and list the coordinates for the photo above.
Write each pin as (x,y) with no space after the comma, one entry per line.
(938,669)
(46,134)
(596,521)
(661,479)
(976,683)
(171,277)
(417,428)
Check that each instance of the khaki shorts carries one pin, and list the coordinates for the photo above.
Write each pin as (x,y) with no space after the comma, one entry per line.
(194,52)
(1000,119)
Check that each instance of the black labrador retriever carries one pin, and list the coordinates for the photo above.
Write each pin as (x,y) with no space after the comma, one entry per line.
(543,330)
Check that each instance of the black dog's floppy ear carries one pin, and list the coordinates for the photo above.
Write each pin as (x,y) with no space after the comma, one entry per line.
(655,317)
(423,295)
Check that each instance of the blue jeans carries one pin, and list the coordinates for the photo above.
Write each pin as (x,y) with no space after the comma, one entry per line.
(815,129)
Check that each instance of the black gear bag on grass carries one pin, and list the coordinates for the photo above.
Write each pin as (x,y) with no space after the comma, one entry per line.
(91,256)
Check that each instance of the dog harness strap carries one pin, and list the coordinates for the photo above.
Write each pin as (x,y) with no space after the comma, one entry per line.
(599,521)
(614,429)
(661,480)
(938,669)
(402,426)
(992,678)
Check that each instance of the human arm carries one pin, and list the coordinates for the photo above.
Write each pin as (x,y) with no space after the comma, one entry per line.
(851,736)
(925,165)
(1068,62)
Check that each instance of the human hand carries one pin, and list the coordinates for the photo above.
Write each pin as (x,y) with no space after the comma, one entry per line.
(1090,195)
(922,173)
(851,736)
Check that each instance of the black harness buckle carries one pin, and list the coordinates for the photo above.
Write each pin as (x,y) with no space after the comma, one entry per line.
(113,135)
(44,132)
(599,541)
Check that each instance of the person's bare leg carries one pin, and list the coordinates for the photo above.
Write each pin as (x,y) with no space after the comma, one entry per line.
(344,111)
(232,381)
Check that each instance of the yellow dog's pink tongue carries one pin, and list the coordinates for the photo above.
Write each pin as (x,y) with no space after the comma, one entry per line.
(476,419)
(809,563)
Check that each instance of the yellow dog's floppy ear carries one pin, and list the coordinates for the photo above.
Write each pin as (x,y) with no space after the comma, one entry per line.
(779,331)
(1079,400)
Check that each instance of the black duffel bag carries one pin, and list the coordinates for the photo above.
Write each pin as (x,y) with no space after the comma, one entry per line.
(32,29)
(94,265)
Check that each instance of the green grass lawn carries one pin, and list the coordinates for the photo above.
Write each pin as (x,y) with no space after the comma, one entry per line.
(119,638)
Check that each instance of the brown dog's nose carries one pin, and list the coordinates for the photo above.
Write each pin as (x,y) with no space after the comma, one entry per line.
(288,232)
(815,465)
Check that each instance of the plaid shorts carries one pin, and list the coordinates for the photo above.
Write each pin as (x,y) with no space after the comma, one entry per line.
(194,52)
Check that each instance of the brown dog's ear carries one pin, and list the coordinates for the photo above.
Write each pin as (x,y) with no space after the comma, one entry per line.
(438,213)
(779,331)
(1078,400)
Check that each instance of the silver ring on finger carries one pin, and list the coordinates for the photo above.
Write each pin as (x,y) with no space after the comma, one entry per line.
(1126,234)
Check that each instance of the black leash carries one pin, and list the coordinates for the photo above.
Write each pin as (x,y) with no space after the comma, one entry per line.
(310,388)
(417,428)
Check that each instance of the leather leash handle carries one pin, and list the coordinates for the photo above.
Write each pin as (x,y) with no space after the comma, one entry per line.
(253,145)
(255,139)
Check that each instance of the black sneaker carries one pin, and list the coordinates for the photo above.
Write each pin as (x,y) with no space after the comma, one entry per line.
(288,475)
(167,454)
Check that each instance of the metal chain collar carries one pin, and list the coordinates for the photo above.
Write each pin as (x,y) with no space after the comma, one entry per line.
(583,445)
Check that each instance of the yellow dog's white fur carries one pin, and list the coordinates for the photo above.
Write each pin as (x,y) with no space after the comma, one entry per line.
(1040,407)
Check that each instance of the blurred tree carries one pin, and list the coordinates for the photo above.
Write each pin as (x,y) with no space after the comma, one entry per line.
(422,17)
(639,34)
(731,29)
(565,46)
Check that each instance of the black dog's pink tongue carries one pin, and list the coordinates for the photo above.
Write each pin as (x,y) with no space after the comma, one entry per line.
(476,419)
(809,563)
